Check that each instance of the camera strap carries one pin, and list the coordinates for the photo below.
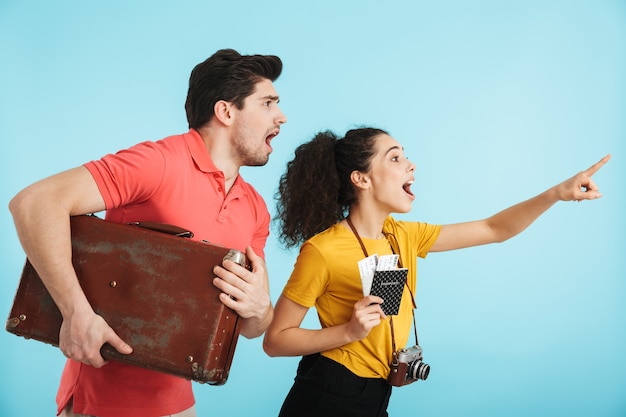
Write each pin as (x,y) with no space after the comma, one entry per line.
(396,251)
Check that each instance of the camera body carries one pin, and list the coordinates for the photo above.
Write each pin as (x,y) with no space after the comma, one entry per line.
(407,367)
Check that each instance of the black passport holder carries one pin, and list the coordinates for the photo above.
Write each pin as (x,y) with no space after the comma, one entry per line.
(389,285)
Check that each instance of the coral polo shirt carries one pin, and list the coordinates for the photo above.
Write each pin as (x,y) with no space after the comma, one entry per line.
(171,181)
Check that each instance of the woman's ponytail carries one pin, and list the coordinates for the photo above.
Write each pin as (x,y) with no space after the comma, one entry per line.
(307,191)
(315,192)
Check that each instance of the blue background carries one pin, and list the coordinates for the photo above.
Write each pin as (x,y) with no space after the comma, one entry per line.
(494,101)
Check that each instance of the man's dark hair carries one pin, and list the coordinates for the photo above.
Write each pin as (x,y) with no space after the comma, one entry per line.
(226,75)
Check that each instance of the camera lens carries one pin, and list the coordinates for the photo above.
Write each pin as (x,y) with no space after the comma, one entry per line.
(418,370)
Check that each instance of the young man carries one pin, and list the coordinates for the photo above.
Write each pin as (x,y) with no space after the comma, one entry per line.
(190,180)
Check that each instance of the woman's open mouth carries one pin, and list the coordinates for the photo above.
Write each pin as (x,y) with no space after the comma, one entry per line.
(407,187)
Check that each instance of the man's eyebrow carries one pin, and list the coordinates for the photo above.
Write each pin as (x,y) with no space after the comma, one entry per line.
(270,97)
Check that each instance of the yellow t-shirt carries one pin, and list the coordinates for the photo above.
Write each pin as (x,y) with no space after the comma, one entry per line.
(326,275)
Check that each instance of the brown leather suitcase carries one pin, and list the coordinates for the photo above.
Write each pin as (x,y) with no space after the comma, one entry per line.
(154,289)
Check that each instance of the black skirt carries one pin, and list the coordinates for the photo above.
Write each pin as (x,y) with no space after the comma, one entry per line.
(326,388)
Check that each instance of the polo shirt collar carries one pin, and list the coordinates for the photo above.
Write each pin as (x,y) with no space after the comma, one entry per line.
(199,153)
(201,157)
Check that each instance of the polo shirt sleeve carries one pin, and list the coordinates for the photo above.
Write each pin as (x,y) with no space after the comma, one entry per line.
(262,217)
(129,176)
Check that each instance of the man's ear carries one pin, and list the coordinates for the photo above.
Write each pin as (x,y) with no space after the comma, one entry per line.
(360,180)
(223,112)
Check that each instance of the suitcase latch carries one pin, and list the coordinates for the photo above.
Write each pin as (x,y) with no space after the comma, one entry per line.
(13,322)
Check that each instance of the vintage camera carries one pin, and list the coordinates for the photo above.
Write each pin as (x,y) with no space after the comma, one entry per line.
(407,367)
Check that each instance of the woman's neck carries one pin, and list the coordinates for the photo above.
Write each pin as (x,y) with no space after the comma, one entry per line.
(368,227)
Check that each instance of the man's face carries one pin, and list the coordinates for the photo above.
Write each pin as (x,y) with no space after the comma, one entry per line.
(257,124)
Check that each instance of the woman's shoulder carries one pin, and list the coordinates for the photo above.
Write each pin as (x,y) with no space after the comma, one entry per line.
(328,236)
(329,241)
(392,225)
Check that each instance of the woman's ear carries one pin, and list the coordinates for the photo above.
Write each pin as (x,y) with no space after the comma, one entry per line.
(359,179)
(223,112)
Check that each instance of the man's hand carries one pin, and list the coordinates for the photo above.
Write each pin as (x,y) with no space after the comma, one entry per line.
(82,336)
(246,292)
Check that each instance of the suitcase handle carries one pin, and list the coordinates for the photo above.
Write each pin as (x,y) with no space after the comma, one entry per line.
(164,228)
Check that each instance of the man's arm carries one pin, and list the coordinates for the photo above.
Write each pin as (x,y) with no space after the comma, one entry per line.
(41,213)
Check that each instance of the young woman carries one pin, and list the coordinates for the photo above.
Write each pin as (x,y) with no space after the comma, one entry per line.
(337,196)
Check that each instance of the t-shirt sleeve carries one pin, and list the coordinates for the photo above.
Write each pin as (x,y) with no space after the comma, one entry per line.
(129,176)
(426,237)
(309,278)
(414,237)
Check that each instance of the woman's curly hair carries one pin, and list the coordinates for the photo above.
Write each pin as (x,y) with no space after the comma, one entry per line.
(316,192)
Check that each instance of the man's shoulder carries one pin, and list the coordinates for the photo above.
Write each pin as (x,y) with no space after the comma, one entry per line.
(177,140)
(164,143)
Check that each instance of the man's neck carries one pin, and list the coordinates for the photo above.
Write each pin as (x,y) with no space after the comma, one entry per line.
(217,145)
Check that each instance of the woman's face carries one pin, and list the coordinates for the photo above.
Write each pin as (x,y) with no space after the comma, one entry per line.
(391,175)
